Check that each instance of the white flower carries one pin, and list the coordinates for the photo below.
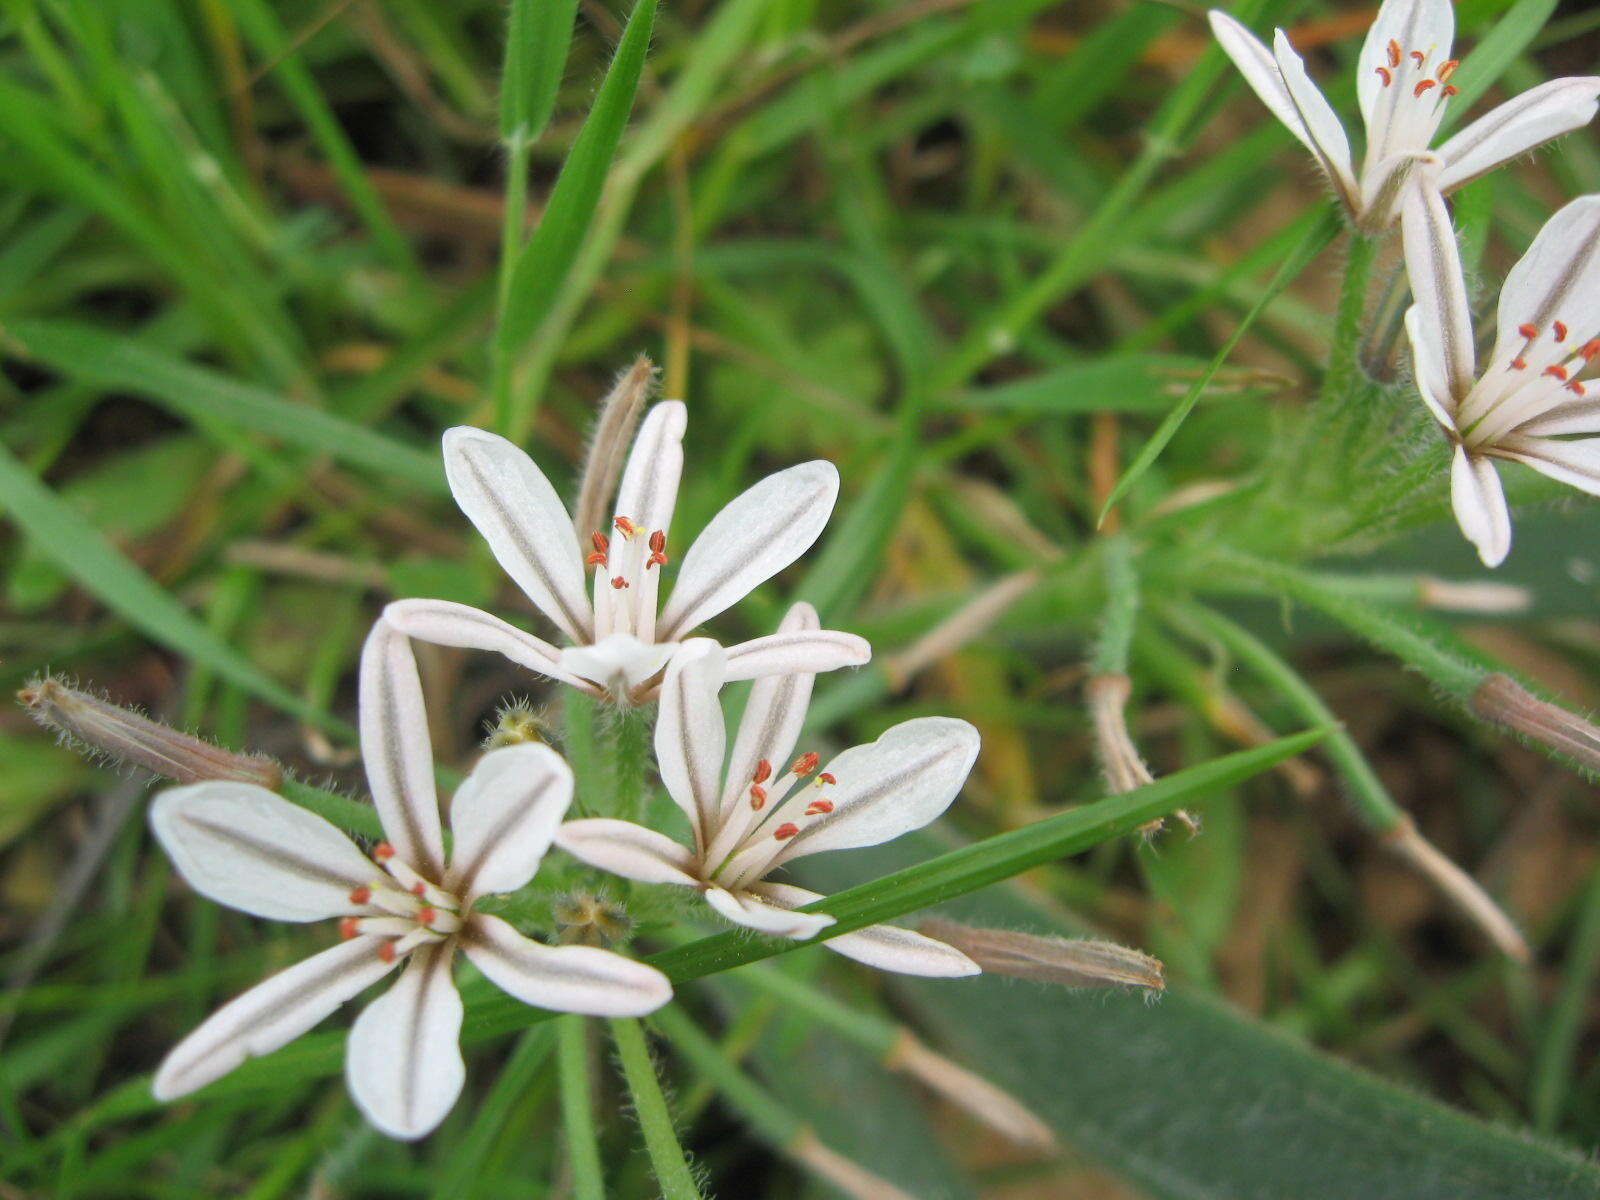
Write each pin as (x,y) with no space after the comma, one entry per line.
(619,645)
(245,847)
(1403,86)
(751,816)
(1529,399)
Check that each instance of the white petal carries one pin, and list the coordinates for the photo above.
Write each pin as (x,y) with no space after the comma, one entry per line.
(886,947)
(397,752)
(1572,416)
(629,850)
(810,652)
(1517,126)
(1260,71)
(403,1062)
(271,1014)
(503,818)
(900,782)
(1326,139)
(617,664)
(245,847)
(649,489)
(758,534)
(1425,25)
(691,738)
(1575,463)
(446,623)
(579,979)
(744,909)
(519,514)
(1558,279)
(1480,506)
(1433,264)
(1433,385)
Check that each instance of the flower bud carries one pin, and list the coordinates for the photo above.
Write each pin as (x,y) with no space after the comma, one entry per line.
(588,920)
(517,723)
(608,447)
(1069,962)
(1501,700)
(96,727)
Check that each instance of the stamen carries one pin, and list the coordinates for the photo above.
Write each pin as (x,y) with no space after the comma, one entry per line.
(1383,73)
(1575,387)
(1556,371)
(1447,69)
(658,541)
(426,916)
(625,527)
(619,583)
(655,560)
(817,807)
(1394,53)
(419,888)
(763,772)
(383,851)
(758,796)
(1528,331)
(826,778)
(1419,57)
(595,560)
(806,763)
(1423,86)
(360,895)
(785,831)
(348,928)
(1561,330)
(386,952)
(601,542)
(1519,364)
(1451,89)
(1590,349)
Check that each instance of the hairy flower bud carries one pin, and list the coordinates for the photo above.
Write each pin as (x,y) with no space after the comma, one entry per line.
(1501,700)
(96,727)
(588,920)
(608,448)
(515,724)
(1069,962)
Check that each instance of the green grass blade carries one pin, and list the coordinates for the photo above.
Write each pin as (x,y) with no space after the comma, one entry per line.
(538,36)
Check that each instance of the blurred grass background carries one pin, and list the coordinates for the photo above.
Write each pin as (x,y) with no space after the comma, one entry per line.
(249,270)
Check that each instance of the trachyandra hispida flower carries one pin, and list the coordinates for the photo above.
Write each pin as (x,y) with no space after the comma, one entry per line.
(619,645)
(1530,399)
(1403,86)
(409,902)
(758,810)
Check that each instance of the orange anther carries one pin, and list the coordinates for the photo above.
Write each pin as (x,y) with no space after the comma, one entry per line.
(1383,74)
(418,888)
(383,851)
(1561,330)
(655,560)
(1394,53)
(806,763)
(1451,89)
(619,583)
(624,526)
(1528,331)
(785,831)
(1423,86)
(817,807)
(1556,371)
(1575,387)
(763,772)
(1519,364)
(1419,57)
(360,895)
(1590,348)
(1447,69)
(758,796)
(386,952)
(658,541)
(597,559)
(349,927)
(601,542)
(425,916)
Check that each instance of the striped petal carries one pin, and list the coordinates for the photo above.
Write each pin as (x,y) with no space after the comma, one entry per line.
(403,1061)
(579,979)
(1479,503)
(446,623)
(503,818)
(886,947)
(397,751)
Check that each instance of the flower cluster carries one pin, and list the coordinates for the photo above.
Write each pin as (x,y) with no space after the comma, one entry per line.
(408,903)
(1531,402)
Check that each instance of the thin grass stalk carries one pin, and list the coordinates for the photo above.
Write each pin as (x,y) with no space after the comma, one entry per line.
(671,1169)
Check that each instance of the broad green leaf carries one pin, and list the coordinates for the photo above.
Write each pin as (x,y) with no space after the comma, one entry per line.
(115,362)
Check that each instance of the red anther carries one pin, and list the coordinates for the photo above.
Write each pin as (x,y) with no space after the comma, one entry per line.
(597,559)
(383,852)
(1451,89)
(418,888)
(806,763)
(386,952)
(1575,387)
(1419,56)
(1561,330)
(1383,74)
(619,583)
(349,927)
(655,560)
(1423,86)
(1519,364)
(785,831)
(624,526)
(1394,53)
(658,541)
(1528,331)
(763,772)
(425,916)
(758,796)
(817,807)
(360,895)
(1447,69)
(827,778)
(601,542)
(1590,348)
(1556,372)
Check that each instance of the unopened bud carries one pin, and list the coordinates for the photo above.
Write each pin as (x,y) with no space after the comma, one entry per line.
(1069,962)
(515,724)
(588,920)
(1119,757)
(608,448)
(98,728)
(1503,701)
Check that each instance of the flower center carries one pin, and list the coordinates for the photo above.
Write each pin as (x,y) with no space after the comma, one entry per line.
(1408,69)
(626,578)
(416,912)
(1542,374)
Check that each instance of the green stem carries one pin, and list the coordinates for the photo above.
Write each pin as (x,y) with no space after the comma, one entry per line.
(630,755)
(650,1105)
(516,204)
(577,1112)
(1344,363)
(766,1115)
(1121,611)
